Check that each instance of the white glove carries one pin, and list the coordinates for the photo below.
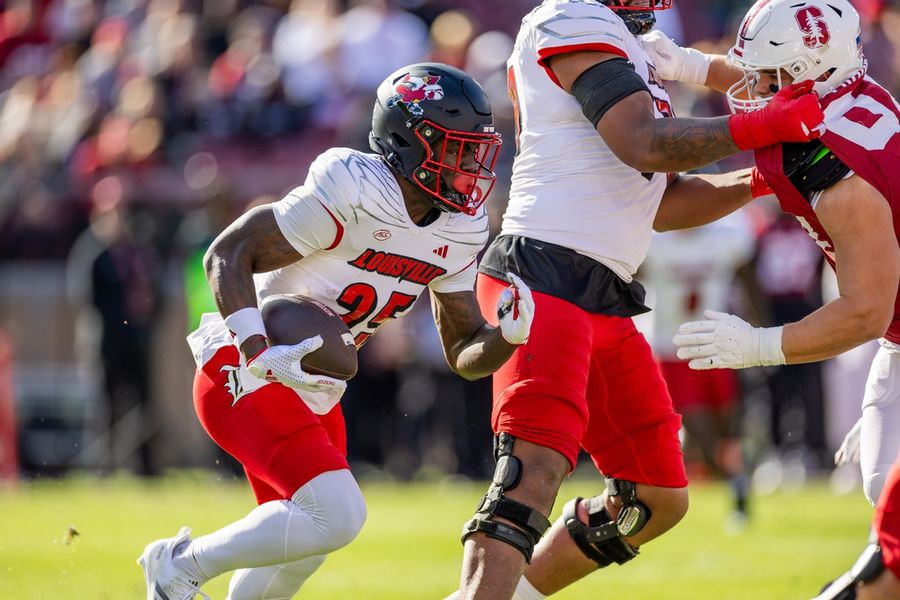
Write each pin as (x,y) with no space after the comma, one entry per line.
(849,450)
(674,63)
(515,310)
(727,342)
(282,364)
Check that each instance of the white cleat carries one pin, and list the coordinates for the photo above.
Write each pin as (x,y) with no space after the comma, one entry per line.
(164,580)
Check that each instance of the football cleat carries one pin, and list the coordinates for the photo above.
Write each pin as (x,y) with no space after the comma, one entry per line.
(164,580)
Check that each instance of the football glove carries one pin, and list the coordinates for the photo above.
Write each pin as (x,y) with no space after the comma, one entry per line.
(727,342)
(281,364)
(792,115)
(849,450)
(515,310)
(674,63)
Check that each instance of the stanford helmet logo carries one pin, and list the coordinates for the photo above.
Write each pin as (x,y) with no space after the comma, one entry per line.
(412,90)
(813,25)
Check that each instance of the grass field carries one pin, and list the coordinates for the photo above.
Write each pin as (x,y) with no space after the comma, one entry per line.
(409,548)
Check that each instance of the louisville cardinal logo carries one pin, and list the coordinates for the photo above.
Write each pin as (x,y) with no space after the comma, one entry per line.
(813,25)
(412,90)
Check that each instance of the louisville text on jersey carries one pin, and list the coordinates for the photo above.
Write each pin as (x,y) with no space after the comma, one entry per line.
(404,268)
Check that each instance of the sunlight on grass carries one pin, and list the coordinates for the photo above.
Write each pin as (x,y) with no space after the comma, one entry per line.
(410,546)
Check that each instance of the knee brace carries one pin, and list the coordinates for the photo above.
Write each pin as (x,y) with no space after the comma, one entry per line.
(602,539)
(528,525)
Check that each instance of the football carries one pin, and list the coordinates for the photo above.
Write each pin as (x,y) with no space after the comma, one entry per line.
(292,318)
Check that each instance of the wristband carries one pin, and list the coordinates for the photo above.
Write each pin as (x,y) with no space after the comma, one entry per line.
(769,340)
(696,66)
(245,323)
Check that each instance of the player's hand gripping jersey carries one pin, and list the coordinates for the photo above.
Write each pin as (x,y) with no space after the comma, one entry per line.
(362,255)
(863,137)
(568,188)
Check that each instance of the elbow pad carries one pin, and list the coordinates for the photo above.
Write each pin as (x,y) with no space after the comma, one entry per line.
(602,85)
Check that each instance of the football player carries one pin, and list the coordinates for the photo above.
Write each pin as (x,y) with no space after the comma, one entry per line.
(365,235)
(596,139)
(843,188)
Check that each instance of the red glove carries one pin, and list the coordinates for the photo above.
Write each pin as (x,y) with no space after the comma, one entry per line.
(758,185)
(793,115)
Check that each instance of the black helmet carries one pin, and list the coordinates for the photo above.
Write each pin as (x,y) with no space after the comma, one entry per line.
(433,125)
(638,19)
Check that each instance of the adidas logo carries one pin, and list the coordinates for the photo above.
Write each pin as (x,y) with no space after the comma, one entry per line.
(442,251)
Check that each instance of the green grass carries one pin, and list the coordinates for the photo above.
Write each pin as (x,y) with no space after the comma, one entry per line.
(409,548)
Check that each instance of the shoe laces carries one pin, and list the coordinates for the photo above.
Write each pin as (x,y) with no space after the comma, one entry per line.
(182,585)
(185,589)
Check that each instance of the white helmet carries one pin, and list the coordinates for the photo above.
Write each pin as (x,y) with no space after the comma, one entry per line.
(808,39)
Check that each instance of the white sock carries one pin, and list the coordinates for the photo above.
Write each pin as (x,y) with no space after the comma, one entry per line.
(526,591)
(277,582)
(322,516)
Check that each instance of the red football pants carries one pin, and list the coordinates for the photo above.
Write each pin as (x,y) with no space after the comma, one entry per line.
(887,520)
(586,380)
(279,441)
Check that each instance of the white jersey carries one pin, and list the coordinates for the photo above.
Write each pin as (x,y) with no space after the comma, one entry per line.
(568,188)
(363,256)
(692,270)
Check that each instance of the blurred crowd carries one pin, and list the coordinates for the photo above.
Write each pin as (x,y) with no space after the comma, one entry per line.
(133,131)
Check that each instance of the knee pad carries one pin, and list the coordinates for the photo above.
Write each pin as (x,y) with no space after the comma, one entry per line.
(528,525)
(602,539)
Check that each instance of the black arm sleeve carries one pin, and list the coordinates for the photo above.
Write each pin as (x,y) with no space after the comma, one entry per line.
(602,85)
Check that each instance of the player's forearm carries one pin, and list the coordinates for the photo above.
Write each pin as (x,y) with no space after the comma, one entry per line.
(485,352)
(231,283)
(230,277)
(695,200)
(252,244)
(840,325)
(722,74)
(675,145)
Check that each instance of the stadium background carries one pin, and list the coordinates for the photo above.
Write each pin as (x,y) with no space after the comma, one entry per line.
(139,128)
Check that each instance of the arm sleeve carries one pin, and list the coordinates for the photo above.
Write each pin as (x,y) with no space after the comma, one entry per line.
(461,281)
(306,222)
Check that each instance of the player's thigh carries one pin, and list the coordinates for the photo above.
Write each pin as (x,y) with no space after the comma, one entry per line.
(633,428)
(539,394)
(271,431)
